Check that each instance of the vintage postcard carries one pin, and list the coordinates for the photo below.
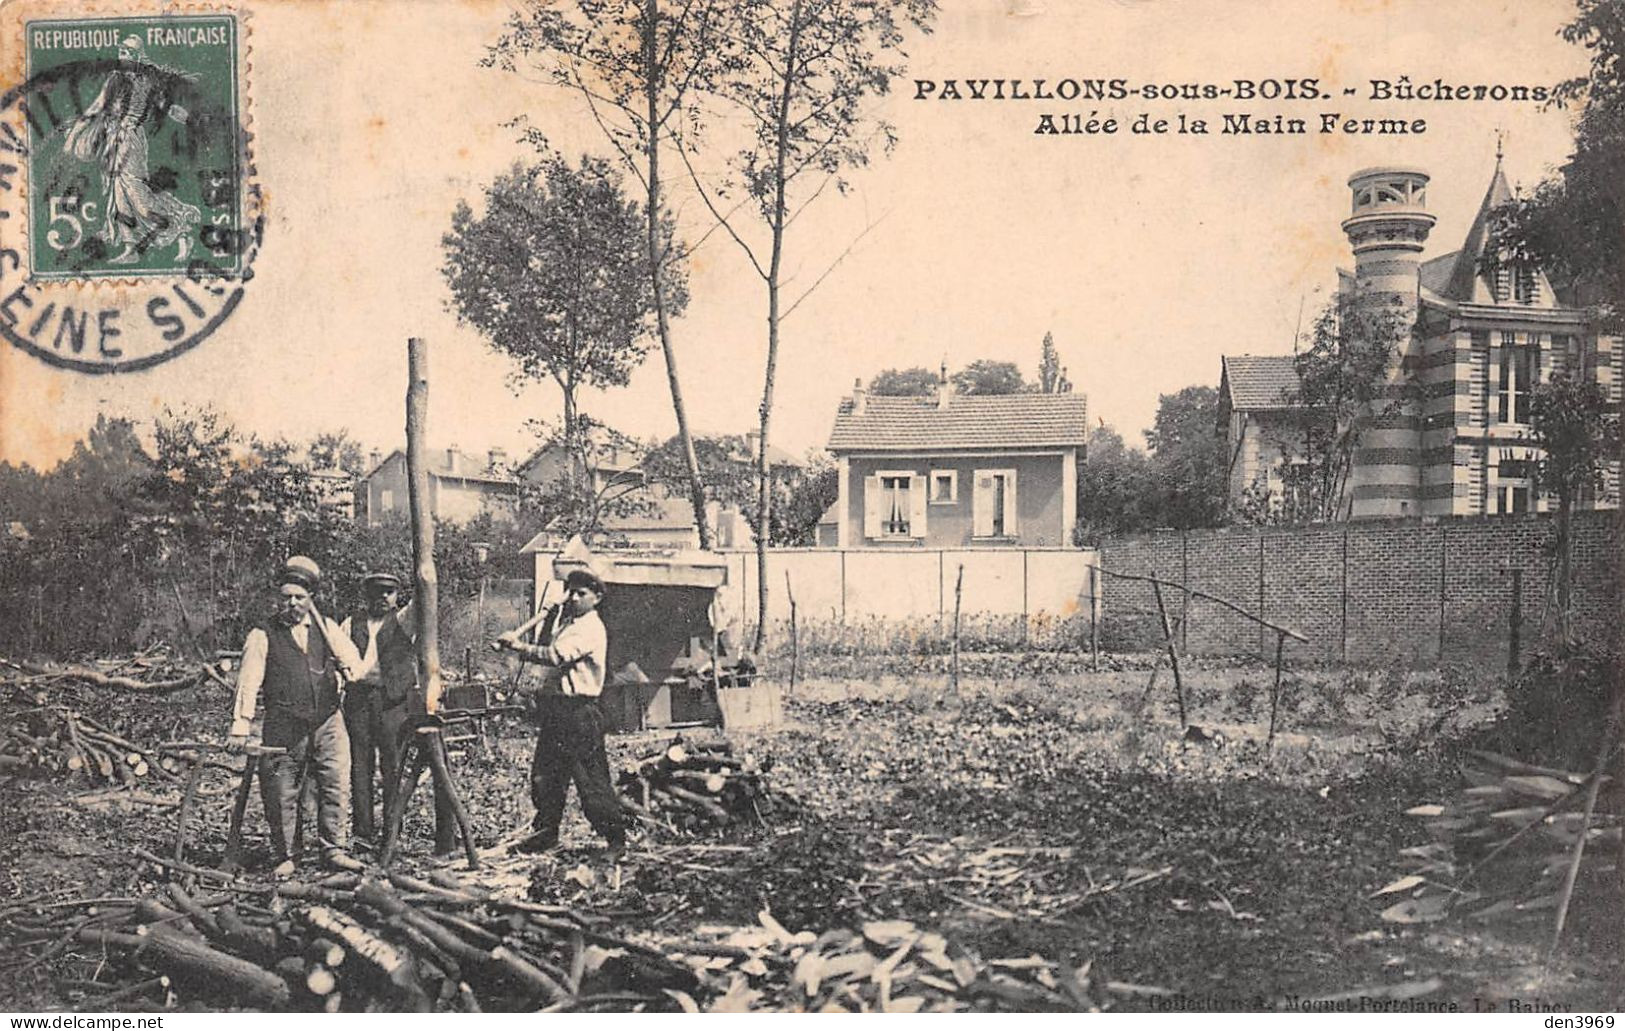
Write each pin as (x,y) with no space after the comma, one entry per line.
(878,506)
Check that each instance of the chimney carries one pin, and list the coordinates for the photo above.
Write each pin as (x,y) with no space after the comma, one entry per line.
(451,458)
(945,387)
(753,442)
(859,395)
(373,458)
(496,459)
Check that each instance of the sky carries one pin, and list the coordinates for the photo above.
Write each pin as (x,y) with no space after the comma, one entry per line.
(1147,256)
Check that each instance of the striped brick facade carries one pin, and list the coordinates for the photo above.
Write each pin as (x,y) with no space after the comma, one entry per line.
(1458,443)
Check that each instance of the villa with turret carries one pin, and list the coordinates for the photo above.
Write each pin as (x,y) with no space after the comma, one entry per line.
(1483,340)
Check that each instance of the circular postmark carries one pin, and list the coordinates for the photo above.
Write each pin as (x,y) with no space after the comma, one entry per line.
(128,222)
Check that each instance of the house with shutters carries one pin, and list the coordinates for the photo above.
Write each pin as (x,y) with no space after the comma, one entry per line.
(1486,333)
(951,471)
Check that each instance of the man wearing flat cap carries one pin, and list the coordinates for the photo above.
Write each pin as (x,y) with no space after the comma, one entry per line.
(297,660)
(570,726)
(377,703)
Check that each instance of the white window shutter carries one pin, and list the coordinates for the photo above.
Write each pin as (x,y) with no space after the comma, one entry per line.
(982,505)
(871,506)
(1011,527)
(916,506)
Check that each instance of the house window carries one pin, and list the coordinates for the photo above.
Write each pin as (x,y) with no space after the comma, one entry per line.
(1525,288)
(995,503)
(894,492)
(1517,378)
(1514,488)
(386,501)
(944,486)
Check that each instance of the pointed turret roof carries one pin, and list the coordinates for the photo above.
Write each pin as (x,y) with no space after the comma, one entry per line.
(1465,270)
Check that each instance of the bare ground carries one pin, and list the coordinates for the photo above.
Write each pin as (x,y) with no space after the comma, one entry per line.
(1057,813)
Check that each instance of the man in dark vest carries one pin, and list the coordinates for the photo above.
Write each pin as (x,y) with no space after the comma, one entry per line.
(297,659)
(378,702)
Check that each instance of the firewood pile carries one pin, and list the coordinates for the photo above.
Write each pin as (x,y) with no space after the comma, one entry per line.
(371,943)
(1502,846)
(886,966)
(49,740)
(692,786)
(351,943)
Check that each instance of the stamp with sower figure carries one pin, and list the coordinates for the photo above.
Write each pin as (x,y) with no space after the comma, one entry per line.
(128,237)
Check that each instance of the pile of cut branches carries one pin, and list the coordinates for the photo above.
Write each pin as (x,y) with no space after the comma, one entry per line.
(1506,845)
(351,943)
(690,786)
(54,740)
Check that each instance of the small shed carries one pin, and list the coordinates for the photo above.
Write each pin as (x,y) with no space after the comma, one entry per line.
(672,652)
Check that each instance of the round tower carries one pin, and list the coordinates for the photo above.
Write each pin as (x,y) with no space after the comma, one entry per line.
(1387,229)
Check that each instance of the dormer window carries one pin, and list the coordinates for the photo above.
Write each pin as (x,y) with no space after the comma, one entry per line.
(1525,287)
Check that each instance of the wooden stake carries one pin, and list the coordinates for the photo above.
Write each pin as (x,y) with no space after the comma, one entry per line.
(1173,649)
(795,640)
(1275,692)
(1566,895)
(1094,616)
(426,599)
(953,665)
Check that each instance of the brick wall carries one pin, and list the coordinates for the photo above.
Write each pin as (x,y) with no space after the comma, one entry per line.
(1369,592)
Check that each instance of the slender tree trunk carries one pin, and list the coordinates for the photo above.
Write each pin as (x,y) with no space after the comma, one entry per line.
(425,600)
(1565,549)
(657,266)
(764,494)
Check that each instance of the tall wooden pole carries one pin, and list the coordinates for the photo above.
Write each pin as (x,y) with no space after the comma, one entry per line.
(426,607)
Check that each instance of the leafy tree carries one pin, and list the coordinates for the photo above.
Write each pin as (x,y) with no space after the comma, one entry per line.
(338,451)
(1343,385)
(1051,374)
(554,274)
(1188,459)
(582,499)
(986,376)
(728,465)
(803,74)
(912,382)
(638,67)
(1115,494)
(1578,431)
(1573,225)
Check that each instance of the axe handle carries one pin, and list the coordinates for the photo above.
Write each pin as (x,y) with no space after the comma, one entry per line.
(531,623)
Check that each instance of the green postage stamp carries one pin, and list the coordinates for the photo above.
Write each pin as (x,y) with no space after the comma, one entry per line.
(134,163)
(128,214)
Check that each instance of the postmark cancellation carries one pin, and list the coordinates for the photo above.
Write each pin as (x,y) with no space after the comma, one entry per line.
(128,216)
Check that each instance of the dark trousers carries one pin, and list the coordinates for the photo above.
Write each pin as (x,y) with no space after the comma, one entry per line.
(570,747)
(327,747)
(376,726)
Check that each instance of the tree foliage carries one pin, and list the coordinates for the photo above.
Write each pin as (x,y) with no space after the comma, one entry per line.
(554,273)
(1344,383)
(1572,226)
(120,538)
(1115,494)
(1187,463)
(988,376)
(1051,374)
(917,381)
(1578,433)
(638,66)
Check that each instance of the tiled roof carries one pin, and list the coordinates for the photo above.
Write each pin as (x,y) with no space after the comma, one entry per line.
(461,466)
(984,421)
(1465,270)
(1434,275)
(1259,381)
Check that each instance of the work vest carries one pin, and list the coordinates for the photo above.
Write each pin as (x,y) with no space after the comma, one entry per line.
(301,685)
(397,655)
